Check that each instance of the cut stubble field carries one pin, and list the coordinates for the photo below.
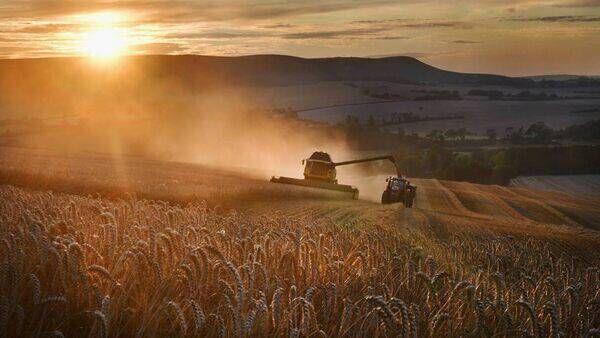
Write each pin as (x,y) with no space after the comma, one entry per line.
(575,184)
(131,247)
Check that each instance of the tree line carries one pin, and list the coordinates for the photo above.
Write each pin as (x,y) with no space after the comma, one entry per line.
(499,166)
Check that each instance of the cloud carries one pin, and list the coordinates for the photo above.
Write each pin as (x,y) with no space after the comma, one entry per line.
(158,48)
(391,37)
(437,24)
(299,27)
(353,33)
(369,22)
(186,11)
(279,25)
(215,34)
(47,28)
(466,41)
(258,10)
(579,3)
(6,49)
(416,24)
(334,34)
(559,18)
(409,54)
(417,54)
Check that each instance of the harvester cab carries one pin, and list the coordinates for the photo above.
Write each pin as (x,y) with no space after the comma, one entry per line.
(319,167)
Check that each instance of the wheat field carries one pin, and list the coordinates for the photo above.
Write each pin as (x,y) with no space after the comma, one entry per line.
(468,260)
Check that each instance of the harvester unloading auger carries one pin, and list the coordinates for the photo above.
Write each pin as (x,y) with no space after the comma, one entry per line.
(319,172)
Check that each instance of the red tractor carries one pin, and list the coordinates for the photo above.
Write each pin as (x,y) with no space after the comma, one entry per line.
(399,189)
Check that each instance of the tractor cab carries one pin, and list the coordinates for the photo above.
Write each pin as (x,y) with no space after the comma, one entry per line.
(397,183)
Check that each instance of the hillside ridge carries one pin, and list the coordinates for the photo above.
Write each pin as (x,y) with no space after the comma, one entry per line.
(260,70)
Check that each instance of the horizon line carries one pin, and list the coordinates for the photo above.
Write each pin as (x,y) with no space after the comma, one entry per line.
(369,57)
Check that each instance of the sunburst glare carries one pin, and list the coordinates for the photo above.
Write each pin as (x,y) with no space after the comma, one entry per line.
(105,43)
(105,38)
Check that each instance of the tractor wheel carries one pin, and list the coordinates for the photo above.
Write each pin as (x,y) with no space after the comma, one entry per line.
(413,195)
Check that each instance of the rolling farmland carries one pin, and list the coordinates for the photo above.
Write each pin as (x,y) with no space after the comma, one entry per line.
(85,254)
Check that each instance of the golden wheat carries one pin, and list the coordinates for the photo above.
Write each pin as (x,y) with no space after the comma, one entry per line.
(87,266)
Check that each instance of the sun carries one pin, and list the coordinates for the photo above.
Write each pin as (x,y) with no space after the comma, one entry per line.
(106,37)
(105,43)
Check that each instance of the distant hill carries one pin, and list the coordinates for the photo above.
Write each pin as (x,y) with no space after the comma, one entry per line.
(59,86)
(257,70)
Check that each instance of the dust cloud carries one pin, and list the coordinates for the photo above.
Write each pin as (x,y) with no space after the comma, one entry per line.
(234,131)
(226,127)
(370,187)
(224,132)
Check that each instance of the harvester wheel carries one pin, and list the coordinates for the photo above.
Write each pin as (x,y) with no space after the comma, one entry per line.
(385,197)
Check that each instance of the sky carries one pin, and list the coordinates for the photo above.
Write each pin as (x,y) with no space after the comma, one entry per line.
(521,37)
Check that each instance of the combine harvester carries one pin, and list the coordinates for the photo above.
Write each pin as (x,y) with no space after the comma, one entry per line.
(319,172)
